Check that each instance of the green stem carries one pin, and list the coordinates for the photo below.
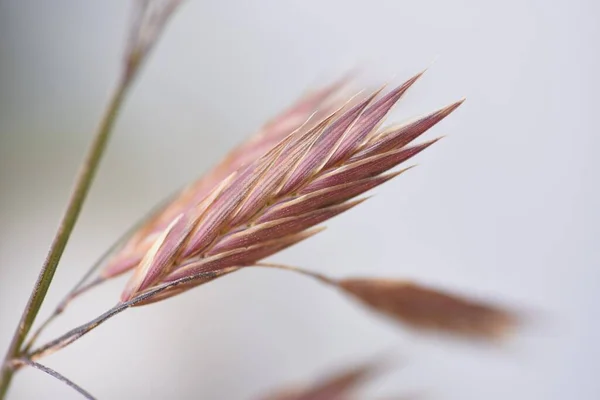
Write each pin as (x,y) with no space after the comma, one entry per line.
(78,196)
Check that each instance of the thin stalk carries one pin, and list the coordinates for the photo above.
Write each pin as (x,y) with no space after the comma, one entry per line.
(315,275)
(78,196)
(54,374)
(146,30)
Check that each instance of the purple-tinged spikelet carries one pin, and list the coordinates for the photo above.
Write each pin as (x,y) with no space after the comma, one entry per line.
(271,202)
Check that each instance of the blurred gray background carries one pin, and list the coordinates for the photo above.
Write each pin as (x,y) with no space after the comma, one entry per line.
(504,208)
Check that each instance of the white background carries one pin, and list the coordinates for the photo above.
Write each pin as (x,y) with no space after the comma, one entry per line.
(504,208)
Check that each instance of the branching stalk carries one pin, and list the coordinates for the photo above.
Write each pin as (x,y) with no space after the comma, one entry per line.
(81,287)
(80,331)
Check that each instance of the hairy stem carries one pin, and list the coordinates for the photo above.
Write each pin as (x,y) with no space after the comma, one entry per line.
(78,290)
(54,374)
(78,196)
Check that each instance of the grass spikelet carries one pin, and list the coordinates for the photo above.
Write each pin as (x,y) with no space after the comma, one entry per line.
(306,178)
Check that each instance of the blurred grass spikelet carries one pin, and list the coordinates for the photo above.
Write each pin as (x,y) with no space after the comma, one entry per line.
(273,201)
(342,385)
(428,308)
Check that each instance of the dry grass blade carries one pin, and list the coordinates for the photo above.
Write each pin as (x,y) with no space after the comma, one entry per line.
(308,177)
(428,308)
